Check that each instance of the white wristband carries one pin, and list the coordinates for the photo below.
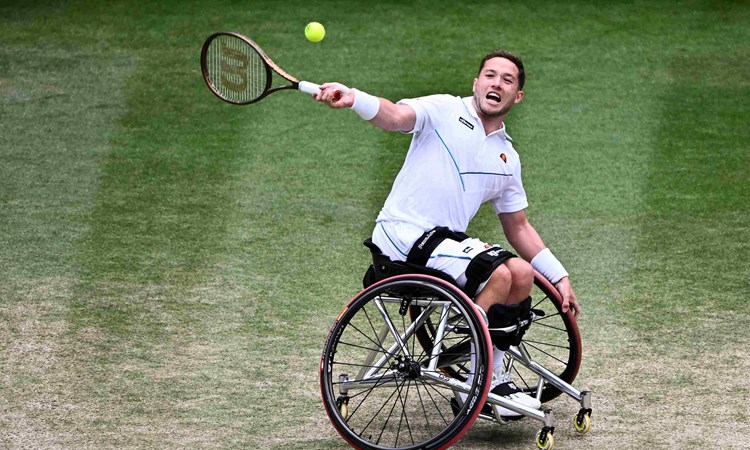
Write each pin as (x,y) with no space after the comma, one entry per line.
(365,105)
(546,264)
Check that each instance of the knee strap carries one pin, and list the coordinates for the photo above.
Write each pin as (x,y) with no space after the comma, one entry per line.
(481,267)
(501,316)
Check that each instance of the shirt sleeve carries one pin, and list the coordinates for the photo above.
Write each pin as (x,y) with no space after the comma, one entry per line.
(426,109)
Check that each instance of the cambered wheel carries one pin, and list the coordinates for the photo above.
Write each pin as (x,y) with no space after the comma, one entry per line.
(400,394)
(553,340)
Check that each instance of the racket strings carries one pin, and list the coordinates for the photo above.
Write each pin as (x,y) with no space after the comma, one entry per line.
(236,70)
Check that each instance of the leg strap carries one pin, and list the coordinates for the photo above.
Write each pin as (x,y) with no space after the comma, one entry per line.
(481,267)
(502,316)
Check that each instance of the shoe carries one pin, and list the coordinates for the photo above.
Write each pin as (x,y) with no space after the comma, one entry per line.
(504,387)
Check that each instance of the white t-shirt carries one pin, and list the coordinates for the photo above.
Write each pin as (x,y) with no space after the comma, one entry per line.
(451,168)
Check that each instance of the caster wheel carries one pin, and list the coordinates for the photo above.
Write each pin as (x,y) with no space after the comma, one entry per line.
(544,441)
(582,423)
(344,408)
(343,404)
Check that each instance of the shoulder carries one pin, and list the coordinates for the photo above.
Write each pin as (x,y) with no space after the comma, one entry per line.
(431,109)
(436,101)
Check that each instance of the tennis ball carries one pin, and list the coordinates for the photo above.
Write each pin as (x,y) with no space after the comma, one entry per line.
(315,32)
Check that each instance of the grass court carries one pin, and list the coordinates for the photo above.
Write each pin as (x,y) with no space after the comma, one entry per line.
(170,264)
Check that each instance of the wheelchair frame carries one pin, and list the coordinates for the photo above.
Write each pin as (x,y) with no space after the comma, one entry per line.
(407,354)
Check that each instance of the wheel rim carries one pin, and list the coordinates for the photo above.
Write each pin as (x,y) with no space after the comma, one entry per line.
(393,400)
(553,341)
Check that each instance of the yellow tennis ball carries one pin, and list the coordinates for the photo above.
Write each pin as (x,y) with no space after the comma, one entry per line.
(315,32)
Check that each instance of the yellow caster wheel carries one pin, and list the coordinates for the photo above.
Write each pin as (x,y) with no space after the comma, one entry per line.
(344,409)
(582,423)
(544,441)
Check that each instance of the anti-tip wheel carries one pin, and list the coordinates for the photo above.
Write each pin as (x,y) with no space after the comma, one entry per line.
(582,423)
(545,441)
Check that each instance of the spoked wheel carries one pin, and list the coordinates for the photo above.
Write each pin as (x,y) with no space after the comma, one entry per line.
(383,389)
(553,341)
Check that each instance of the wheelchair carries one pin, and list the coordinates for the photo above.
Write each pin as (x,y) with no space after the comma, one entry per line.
(407,363)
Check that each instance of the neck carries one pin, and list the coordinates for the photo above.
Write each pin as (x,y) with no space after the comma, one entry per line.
(491,127)
(490,123)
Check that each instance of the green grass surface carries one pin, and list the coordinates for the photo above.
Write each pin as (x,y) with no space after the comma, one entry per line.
(170,264)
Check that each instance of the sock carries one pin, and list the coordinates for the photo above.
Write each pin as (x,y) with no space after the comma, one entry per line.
(498,359)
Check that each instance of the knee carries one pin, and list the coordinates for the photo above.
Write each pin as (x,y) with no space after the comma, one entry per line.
(502,274)
(523,273)
(522,276)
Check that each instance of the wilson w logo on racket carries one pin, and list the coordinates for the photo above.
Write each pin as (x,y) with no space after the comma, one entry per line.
(233,68)
(238,71)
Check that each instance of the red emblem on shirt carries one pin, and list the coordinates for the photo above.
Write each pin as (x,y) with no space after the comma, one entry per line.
(503,157)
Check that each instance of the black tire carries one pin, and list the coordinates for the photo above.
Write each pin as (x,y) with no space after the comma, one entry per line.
(402,404)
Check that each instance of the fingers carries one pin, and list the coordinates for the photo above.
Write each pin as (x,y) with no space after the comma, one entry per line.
(336,95)
(572,305)
(569,300)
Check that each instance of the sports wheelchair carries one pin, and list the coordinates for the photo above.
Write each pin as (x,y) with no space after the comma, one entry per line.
(408,362)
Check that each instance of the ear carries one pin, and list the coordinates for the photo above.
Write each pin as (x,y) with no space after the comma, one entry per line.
(474,85)
(519,96)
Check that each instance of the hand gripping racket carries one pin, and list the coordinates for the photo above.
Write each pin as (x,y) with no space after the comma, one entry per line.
(238,71)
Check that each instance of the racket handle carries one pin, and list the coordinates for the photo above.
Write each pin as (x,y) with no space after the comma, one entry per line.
(312,88)
(309,88)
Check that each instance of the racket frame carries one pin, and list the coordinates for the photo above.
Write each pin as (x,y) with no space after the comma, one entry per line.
(268,63)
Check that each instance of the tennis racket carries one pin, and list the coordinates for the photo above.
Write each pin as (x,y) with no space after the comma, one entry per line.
(238,71)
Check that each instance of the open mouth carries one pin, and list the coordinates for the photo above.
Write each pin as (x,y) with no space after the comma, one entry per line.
(492,96)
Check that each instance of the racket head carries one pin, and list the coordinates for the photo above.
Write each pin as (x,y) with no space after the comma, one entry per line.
(235,68)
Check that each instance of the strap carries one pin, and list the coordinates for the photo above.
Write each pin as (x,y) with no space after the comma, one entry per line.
(424,246)
(501,316)
(481,267)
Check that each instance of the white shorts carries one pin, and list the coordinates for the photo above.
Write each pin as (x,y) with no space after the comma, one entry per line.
(395,239)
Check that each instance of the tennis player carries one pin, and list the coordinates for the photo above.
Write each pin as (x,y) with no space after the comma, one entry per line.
(461,157)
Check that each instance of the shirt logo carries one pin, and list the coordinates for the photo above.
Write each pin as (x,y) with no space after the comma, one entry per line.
(504,158)
(466,122)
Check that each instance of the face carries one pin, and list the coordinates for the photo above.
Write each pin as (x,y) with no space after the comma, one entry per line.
(497,89)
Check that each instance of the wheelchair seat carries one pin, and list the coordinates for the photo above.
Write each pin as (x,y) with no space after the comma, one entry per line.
(383,267)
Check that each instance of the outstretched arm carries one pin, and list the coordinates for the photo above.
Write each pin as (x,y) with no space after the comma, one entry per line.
(387,115)
(526,241)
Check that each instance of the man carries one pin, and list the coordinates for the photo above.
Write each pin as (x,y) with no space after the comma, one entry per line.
(460,157)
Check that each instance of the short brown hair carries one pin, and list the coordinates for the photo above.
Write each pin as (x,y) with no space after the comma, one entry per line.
(510,57)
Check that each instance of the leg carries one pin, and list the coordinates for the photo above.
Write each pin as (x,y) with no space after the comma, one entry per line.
(553,341)
(509,284)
